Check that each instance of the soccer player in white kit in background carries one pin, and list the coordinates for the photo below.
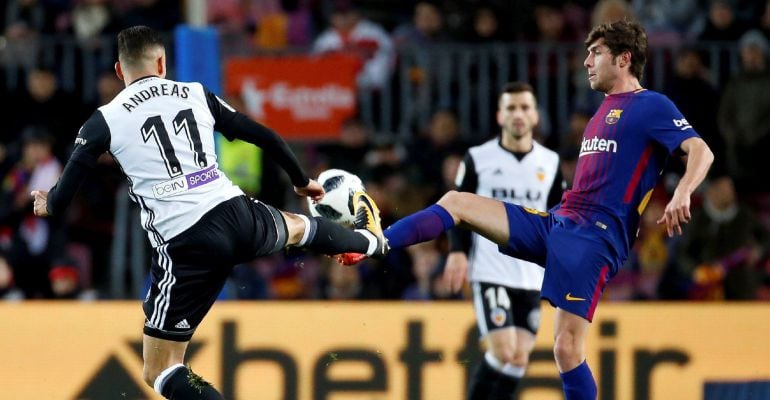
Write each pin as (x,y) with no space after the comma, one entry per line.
(161,133)
(513,168)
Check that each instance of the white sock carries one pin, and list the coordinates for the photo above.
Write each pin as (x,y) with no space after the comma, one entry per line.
(306,234)
(372,241)
(161,379)
(504,368)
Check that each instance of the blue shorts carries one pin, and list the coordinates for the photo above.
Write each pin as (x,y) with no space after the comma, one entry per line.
(579,259)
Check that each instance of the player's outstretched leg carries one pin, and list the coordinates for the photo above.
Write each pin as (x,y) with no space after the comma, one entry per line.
(326,237)
(480,214)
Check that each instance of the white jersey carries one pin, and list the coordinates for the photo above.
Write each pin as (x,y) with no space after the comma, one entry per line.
(492,171)
(161,133)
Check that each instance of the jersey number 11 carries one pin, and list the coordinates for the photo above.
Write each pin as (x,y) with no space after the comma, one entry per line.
(184,121)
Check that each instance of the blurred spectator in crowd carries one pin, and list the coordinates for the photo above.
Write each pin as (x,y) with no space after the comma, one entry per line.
(440,138)
(610,11)
(551,24)
(8,290)
(691,89)
(89,20)
(722,25)
(568,157)
(24,21)
(744,120)
(295,275)
(161,15)
(44,104)
(251,280)
(578,121)
(29,239)
(351,33)
(341,282)
(485,26)
(65,281)
(107,87)
(426,259)
(426,27)
(669,21)
(722,246)
(270,24)
(282,23)
(349,151)
(764,21)
(385,150)
(651,255)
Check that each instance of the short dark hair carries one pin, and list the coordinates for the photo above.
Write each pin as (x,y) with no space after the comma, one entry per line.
(621,36)
(134,41)
(517,87)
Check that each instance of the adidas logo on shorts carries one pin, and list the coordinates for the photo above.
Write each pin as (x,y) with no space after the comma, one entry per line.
(182,324)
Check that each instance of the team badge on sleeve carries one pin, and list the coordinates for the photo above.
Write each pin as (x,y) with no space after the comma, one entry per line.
(613,116)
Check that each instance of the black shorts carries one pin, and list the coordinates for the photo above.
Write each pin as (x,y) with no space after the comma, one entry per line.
(189,271)
(499,306)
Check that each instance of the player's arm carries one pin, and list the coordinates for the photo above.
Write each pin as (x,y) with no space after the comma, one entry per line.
(557,188)
(456,268)
(93,139)
(699,159)
(235,125)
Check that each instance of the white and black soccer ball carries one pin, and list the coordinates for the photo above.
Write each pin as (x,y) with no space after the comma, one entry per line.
(337,204)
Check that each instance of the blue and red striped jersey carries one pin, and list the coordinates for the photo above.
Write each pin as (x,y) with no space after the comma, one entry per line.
(624,149)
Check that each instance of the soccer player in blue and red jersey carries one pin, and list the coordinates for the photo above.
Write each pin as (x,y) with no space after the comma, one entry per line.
(583,241)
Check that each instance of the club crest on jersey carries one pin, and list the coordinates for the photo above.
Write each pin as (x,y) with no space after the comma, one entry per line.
(498,316)
(540,174)
(613,116)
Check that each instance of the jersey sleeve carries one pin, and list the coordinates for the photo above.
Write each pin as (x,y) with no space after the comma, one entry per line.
(235,125)
(92,141)
(557,189)
(466,181)
(668,126)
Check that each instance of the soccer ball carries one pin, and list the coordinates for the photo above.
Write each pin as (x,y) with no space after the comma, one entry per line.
(337,204)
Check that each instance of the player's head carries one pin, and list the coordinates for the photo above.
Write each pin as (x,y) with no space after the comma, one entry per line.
(140,52)
(517,112)
(616,51)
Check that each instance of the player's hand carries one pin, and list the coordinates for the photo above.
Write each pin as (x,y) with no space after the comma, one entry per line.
(677,213)
(40,206)
(455,270)
(314,190)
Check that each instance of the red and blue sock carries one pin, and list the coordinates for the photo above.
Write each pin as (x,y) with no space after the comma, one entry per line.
(579,384)
(422,226)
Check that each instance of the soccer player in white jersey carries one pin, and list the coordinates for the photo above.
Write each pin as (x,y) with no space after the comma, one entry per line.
(513,168)
(200,224)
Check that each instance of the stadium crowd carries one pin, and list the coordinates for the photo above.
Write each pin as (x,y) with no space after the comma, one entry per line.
(722,255)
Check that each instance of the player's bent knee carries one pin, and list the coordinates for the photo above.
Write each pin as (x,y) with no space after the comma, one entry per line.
(565,349)
(454,202)
(295,225)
